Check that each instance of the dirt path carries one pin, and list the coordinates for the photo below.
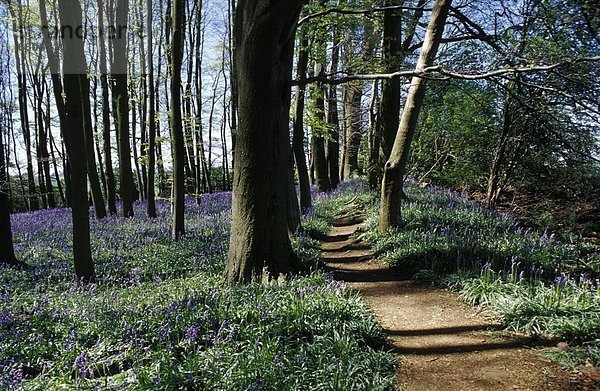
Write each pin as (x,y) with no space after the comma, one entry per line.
(443,343)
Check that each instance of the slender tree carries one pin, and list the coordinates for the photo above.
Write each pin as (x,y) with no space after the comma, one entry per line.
(176,58)
(395,167)
(298,131)
(151,150)
(121,106)
(111,192)
(317,139)
(374,139)
(264,40)
(94,179)
(19,35)
(332,119)
(74,75)
(57,91)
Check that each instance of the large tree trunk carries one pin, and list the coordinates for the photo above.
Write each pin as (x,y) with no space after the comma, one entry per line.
(121,105)
(178,228)
(392,59)
(395,167)
(74,69)
(264,41)
(298,133)
(394,52)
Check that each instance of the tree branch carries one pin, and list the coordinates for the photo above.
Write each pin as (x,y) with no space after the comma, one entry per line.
(343,11)
(433,72)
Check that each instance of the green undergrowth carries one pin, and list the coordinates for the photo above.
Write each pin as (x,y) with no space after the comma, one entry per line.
(139,329)
(528,280)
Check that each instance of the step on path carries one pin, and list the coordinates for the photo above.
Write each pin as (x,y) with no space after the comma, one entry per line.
(442,343)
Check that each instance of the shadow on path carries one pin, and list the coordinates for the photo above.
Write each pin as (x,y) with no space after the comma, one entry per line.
(442,343)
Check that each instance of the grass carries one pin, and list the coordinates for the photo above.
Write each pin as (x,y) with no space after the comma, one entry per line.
(159,317)
(529,280)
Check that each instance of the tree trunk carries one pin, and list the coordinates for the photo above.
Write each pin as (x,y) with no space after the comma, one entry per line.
(57,90)
(111,192)
(18,31)
(392,60)
(121,106)
(293,209)
(44,156)
(162,176)
(318,140)
(134,138)
(393,175)
(204,183)
(150,192)
(298,134)
(7,252)
(233,124)
(354,93)
(374,167)
(493,183)
(333,142)
(92,169)
(143,108)
(178,227)
(264,41)
(74,69)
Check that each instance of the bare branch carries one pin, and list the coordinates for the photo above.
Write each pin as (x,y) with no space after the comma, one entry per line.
(343,11)
(436,72)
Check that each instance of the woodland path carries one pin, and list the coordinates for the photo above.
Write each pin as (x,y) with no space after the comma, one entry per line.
(442,343)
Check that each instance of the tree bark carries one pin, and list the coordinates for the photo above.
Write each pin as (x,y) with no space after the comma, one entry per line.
(373,166)
(395,167)
(18,31)
(7,252)
(74,69)
(390,95)
(178,19)
(354,93)
(264,41)
(150,191)
(92,169)
(121,107)
(111,192)
(321,168)
(57,91)
(332,117)
(298,131)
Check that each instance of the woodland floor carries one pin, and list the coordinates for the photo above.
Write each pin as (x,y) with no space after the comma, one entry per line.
(442,343)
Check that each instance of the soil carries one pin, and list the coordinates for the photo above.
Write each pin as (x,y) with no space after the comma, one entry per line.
(442,343)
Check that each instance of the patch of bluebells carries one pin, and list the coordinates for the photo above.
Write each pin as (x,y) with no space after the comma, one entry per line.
(530,280)
(159,316)
(126,250)
(444,232)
